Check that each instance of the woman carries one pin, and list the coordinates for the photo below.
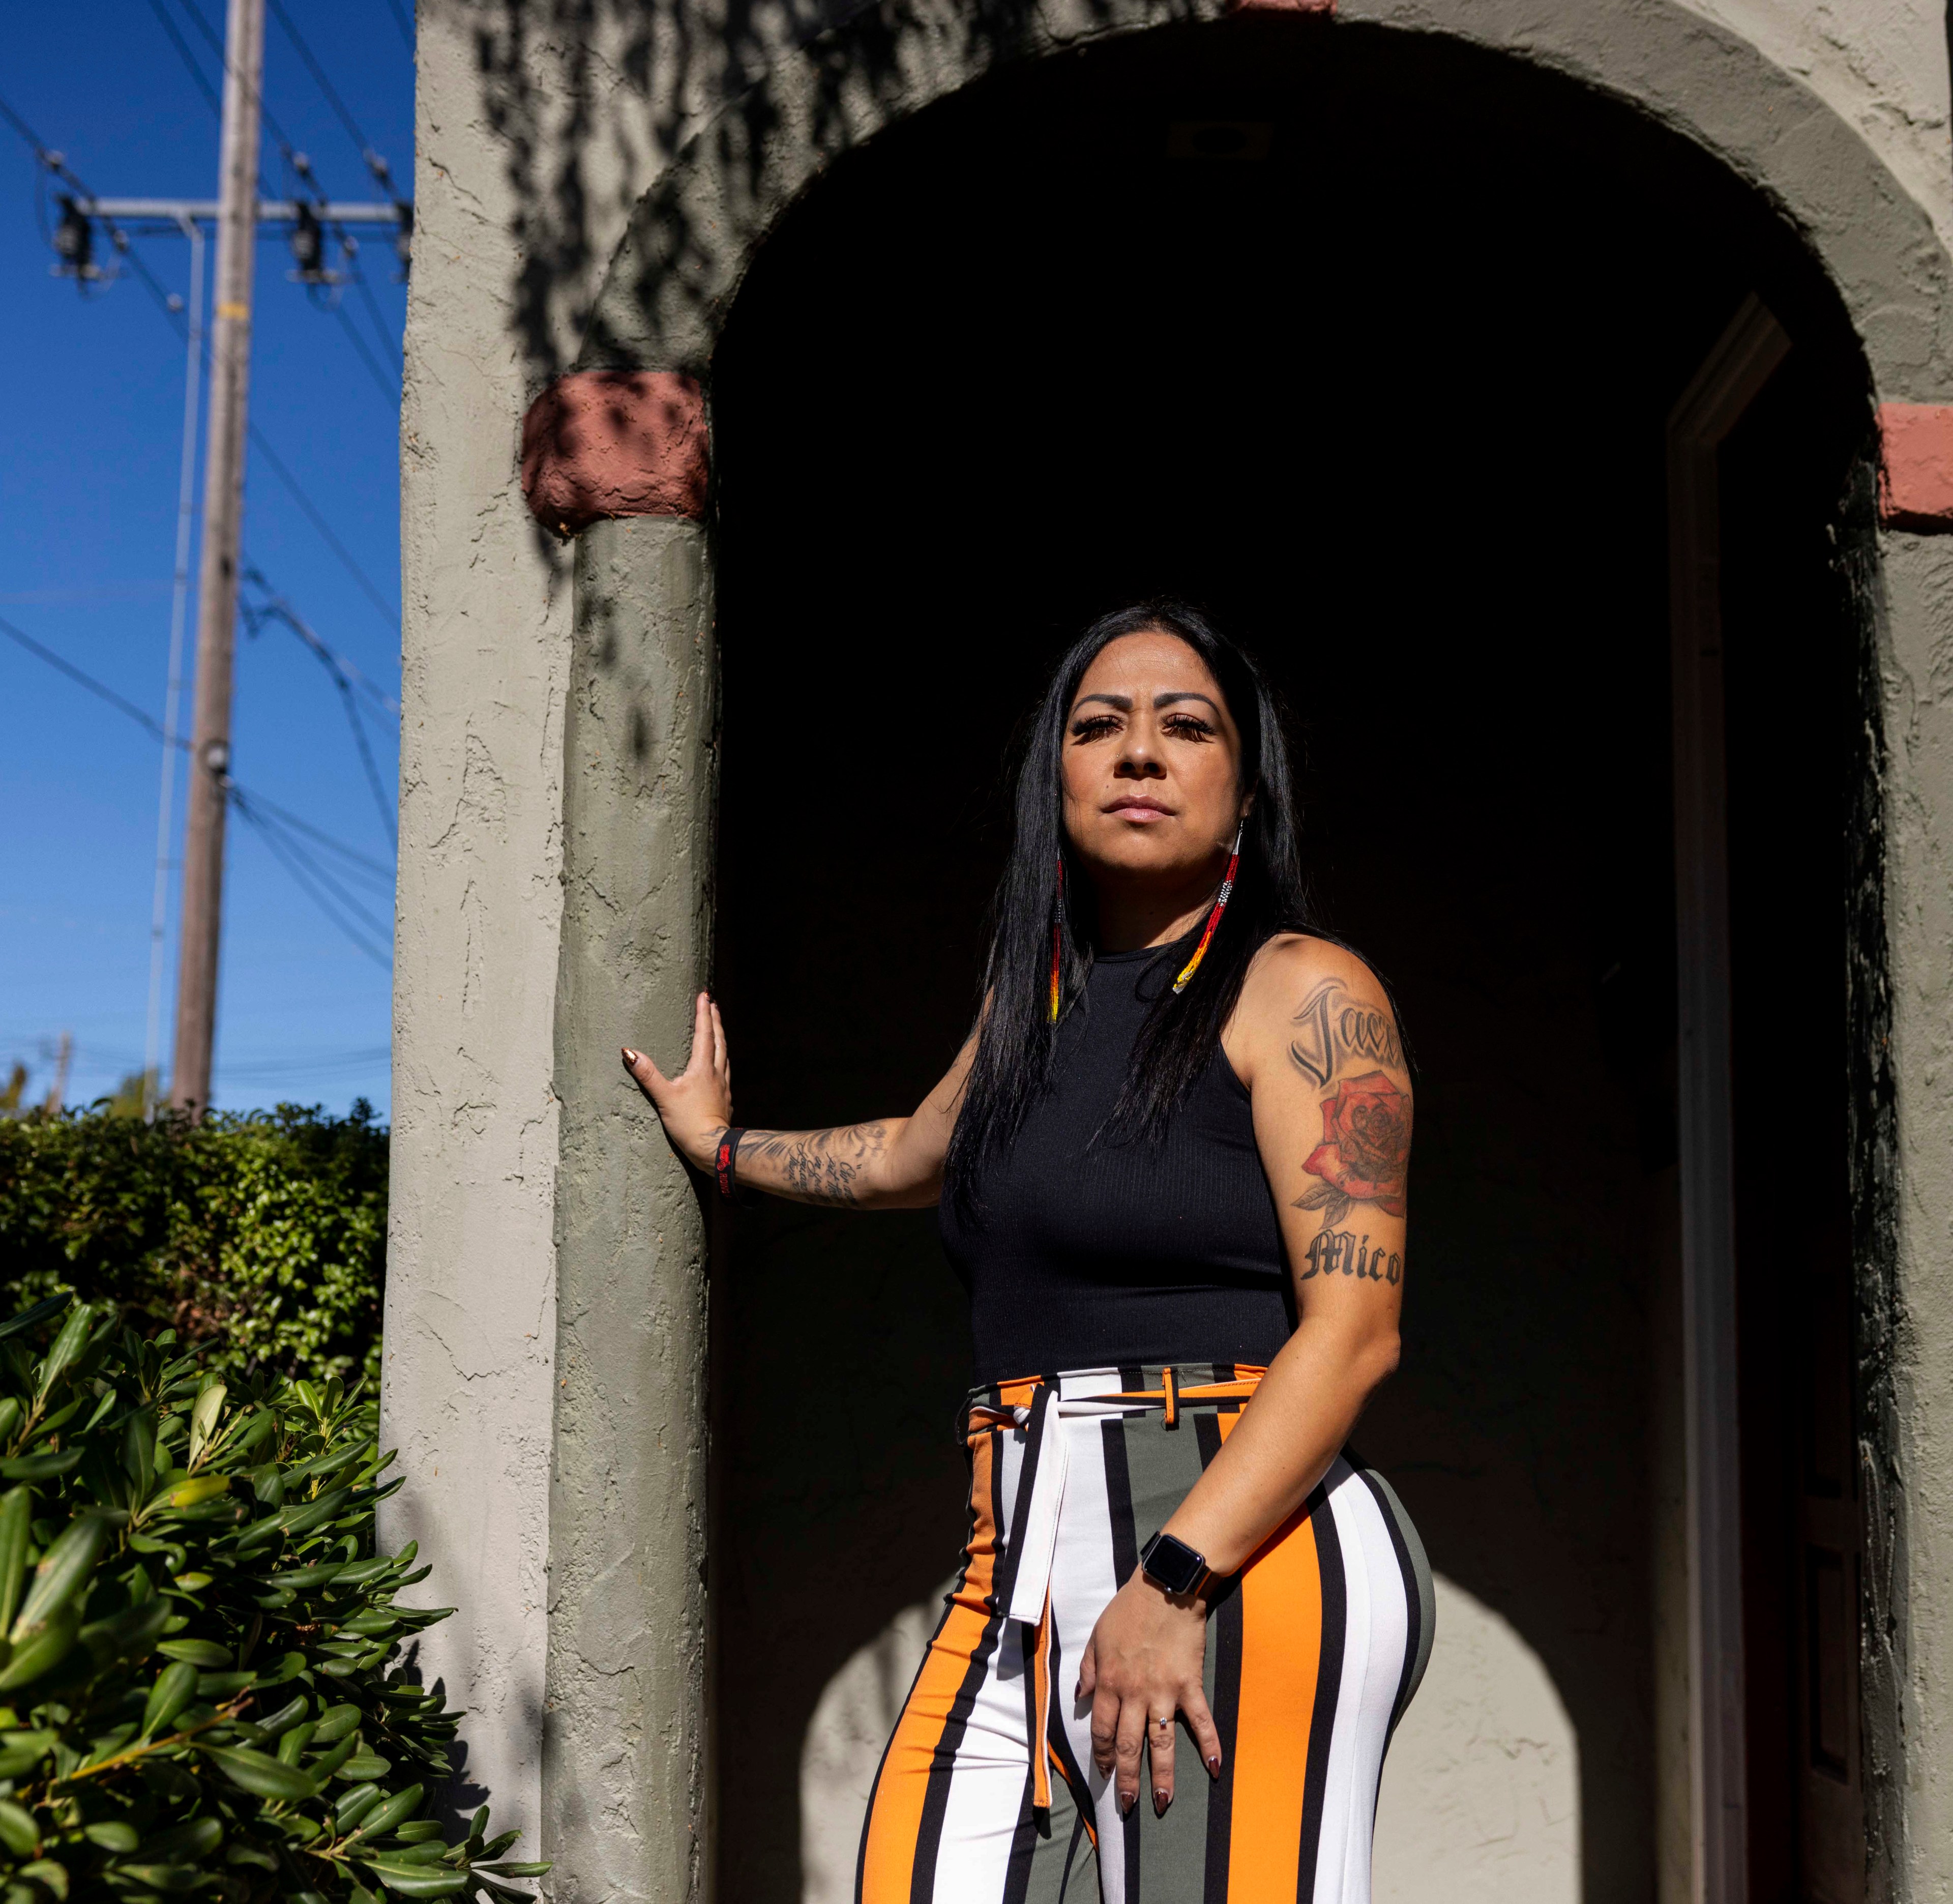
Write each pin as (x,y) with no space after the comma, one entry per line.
(1171,1163)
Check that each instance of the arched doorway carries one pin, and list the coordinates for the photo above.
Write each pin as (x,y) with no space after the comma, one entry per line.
(1367,341)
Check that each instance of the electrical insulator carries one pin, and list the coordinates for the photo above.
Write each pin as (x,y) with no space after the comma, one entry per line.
(74,241)
(403,236)
(308,247)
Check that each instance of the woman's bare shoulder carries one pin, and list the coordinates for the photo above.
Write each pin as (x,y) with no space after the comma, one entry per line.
(1319,1004)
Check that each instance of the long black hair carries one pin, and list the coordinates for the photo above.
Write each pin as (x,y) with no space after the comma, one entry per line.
(1017,1040)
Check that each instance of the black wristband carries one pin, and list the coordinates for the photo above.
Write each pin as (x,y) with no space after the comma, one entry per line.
(727,1159)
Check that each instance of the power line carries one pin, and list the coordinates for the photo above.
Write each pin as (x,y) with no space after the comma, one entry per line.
(260,812)
(388,611)
(391,344)
(312,877)
(371,158)
(278,610)
(372,867)
(223,62)
(54,163)
(388,389)
(100,689)
(183,53)
(400,20)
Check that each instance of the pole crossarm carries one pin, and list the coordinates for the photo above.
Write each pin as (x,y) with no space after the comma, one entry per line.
(174,212)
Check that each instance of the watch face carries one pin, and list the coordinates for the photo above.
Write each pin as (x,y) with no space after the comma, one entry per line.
(1175,1565)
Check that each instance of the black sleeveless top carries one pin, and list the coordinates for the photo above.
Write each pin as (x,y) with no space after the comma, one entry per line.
(1091,1252)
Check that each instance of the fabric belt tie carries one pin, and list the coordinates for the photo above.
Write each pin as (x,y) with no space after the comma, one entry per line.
(1041,1482)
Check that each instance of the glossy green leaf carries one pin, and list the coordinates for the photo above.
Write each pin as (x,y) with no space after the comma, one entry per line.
(67,1345)
(40,1467)
(365,1765)
(197,1839)
(174,1687)
(16,1508)
(198,1490)
(350,1807)
(162,1877)
(514,1871)
(203,1419)
(334,1723)
(383,1818)
(50,1873)
(206,1654)
(28,1318)
(415,1880)
(113,1834)
(64,1569)
(260,1774)
(40,1650)
(18,1831)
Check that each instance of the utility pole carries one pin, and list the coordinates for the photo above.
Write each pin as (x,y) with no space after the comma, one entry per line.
(217,577)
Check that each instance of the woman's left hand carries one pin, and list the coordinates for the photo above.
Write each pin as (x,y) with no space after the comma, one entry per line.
(1143,1665)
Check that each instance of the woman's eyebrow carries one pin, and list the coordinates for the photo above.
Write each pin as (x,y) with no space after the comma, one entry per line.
(1124,702)
(1183,694)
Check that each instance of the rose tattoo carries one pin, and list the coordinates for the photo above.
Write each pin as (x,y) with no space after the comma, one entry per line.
(1364,1153)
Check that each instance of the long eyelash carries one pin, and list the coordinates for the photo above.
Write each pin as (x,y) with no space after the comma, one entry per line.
(1097,724)
(1188,724)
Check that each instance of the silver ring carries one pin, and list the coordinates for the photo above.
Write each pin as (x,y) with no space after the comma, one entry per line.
(1165,1724)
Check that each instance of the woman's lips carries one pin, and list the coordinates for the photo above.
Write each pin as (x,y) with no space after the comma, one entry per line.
(1138,810)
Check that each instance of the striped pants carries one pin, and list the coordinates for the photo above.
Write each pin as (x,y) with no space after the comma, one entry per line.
(987,1793)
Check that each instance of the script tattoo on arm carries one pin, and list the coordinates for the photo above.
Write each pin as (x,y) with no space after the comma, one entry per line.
(812,1166)
(1332,1029)
(1333,1252)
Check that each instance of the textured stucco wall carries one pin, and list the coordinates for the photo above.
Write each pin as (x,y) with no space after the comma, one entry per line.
(541,127)
(1918,658)
(470,1297)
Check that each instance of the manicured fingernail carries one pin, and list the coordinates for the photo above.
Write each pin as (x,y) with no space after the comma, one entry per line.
(1214,1766)
(630,1056)
(1126,1801)
(1161,1801)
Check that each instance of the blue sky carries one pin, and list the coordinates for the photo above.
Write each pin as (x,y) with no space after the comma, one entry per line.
(94,394)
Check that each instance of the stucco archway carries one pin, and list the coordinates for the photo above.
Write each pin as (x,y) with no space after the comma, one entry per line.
(639,736)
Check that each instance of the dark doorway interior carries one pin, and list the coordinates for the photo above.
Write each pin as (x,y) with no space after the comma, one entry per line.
(1366,343)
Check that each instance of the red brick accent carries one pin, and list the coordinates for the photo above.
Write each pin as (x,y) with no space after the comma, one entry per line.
(601,443)
(1325,8)
(1915,465)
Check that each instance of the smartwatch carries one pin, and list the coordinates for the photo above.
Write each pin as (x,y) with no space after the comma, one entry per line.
(1173,1564)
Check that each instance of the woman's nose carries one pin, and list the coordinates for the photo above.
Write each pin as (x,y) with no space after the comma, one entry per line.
(1139,763)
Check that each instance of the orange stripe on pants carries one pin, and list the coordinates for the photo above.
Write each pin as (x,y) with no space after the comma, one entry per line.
(1281,1654)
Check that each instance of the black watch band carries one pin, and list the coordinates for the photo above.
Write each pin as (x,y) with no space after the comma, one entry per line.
(1173,1564)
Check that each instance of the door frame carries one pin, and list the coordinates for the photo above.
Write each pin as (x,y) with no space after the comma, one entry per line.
(1730,378)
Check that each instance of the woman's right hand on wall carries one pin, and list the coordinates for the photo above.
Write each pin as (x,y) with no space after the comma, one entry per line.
(696,1106)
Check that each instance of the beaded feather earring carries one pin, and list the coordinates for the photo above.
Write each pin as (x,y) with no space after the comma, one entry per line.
(1213,918)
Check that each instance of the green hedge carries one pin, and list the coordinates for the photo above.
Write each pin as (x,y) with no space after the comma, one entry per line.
(260,1238)
(206,1679)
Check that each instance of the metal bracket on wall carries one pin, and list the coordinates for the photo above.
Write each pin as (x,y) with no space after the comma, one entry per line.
(1731,377)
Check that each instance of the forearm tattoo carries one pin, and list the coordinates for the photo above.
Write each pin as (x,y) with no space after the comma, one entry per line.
(813,1166)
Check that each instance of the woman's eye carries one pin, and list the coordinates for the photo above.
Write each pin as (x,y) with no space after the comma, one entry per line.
(1095,727)
(1188,727)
